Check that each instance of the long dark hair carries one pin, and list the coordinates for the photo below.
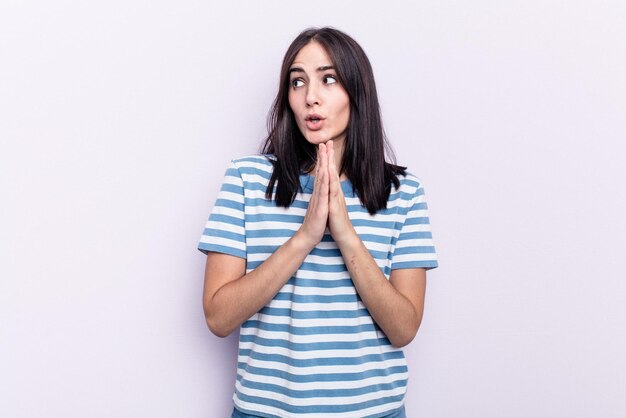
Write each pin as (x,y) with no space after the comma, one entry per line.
(365,145)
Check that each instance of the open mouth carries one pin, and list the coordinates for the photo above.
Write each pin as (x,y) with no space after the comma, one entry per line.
(314,123)
(313,118)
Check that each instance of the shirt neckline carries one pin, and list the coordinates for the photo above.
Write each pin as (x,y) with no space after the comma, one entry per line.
(307,181)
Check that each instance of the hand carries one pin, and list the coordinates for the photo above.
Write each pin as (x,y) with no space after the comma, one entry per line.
(339,222)
(316,217)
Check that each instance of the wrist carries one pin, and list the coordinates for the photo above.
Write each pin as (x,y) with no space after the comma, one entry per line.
(302,243)
(348,240)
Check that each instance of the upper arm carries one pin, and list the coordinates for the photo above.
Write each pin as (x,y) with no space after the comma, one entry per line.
(411,283)
(224,237)
(220,270)
(414,247)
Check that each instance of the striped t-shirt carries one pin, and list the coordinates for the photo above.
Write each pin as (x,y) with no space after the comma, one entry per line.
(314,350)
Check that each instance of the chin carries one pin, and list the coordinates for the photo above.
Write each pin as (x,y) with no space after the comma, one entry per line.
(316,139)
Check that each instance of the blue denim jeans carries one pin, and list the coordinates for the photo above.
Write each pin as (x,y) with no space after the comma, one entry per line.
(396,414)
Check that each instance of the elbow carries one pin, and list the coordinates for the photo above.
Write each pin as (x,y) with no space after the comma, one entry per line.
(215,320)
(217,327)
(402,340)
(407,334)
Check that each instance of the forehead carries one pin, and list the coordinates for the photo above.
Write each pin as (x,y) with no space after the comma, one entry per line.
(312,55)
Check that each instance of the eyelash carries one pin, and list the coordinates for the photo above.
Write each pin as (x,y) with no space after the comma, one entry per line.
(325,78)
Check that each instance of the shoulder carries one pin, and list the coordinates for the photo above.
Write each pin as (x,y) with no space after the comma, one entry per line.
(252,164)
(252,168)
(410,190)
(409,182)
(260,161)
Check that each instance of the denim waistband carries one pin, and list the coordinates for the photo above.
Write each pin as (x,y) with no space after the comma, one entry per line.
(399,413)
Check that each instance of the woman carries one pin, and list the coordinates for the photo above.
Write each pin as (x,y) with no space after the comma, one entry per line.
(318,249)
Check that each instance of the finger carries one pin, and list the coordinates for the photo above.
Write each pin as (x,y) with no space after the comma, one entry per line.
(324,177)
(319,173)
(331,155)
(323,160)
(318,161)
(334,178)
(332,169)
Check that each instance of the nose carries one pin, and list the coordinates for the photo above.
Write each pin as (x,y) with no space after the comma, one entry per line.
(312,97)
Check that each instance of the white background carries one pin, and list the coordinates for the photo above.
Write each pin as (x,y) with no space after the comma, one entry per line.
(118,119)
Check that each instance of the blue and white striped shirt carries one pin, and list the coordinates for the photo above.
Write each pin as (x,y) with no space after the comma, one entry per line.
(314,350)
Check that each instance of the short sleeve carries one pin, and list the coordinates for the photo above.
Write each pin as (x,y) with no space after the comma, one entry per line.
(225,230)
(414,247)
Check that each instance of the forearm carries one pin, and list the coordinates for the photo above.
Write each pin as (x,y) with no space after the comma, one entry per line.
(391,310)
(236,301)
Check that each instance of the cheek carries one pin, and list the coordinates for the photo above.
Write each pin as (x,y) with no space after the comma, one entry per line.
(293,97)
(345,114)
(291,102)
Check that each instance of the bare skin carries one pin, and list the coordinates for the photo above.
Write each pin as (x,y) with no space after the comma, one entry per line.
(231,296)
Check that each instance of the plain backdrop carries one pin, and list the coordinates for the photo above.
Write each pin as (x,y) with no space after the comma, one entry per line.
(118,119)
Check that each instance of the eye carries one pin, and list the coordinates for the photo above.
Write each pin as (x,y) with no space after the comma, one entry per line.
(330,79)
(297,82)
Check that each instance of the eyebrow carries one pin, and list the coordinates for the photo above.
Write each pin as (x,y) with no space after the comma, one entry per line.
(300,70)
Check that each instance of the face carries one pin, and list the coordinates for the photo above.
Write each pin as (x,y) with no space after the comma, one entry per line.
(319,102)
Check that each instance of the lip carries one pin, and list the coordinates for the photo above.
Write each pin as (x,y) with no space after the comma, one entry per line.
(313,116)
(314,121)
